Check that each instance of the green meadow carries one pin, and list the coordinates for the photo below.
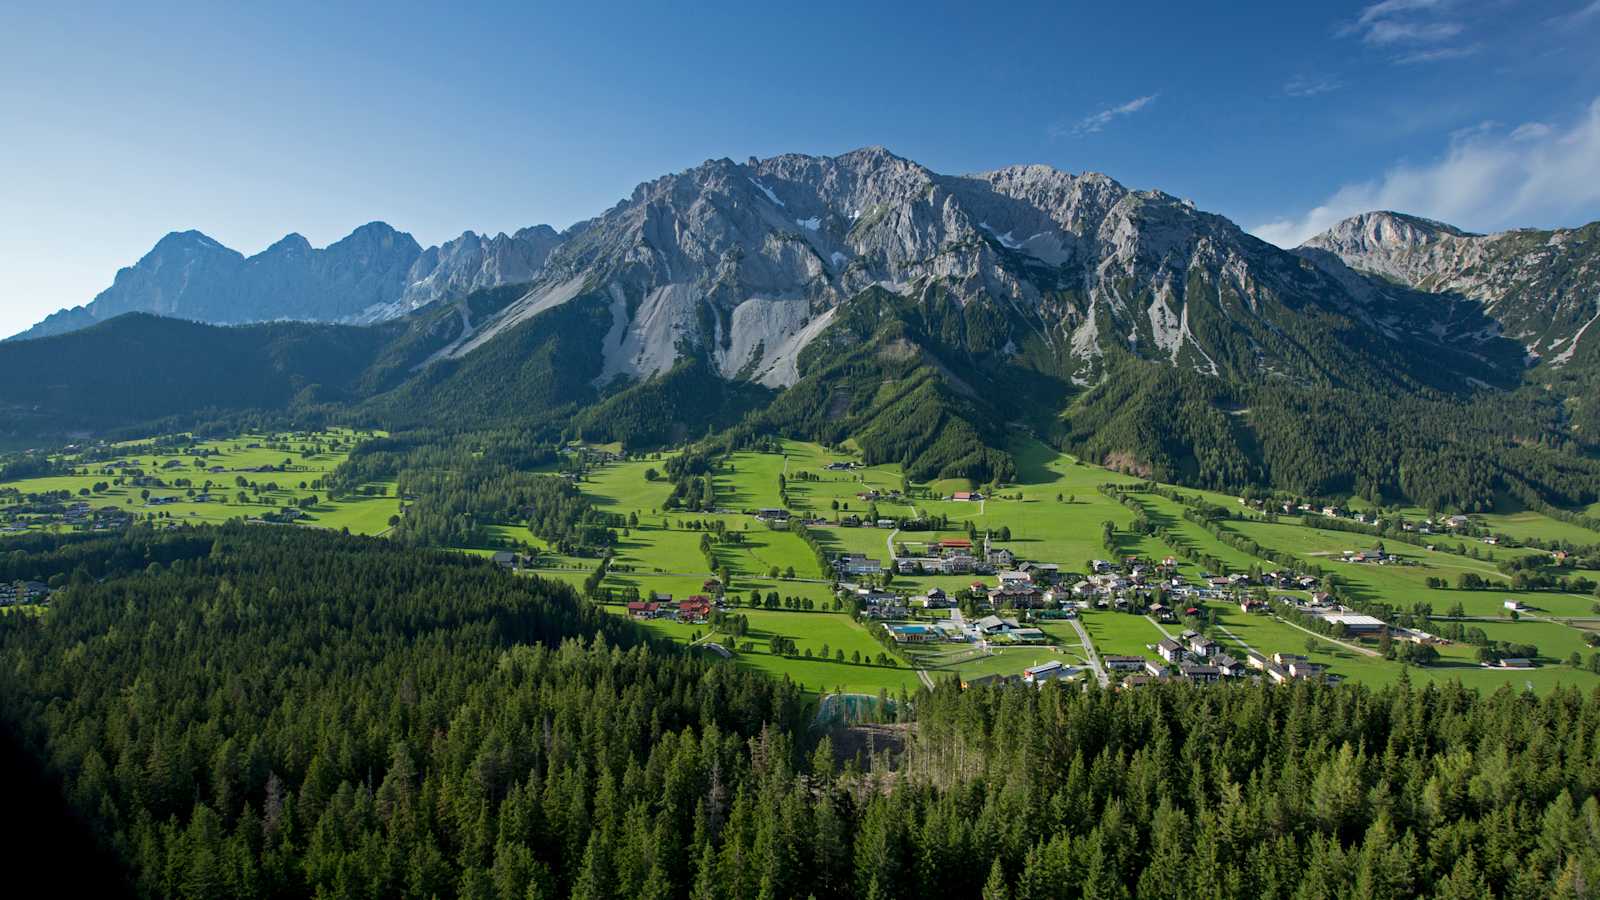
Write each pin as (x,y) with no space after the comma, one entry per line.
(306,458)
(813,633)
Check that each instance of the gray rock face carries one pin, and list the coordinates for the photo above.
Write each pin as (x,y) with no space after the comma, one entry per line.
(1542,287)
(375,273)
(743,259)
(470,262)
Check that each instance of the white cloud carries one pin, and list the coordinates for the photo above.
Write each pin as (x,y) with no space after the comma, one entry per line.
(1390,7)
(1440,54)
(1531,131)
(1384,32)
(1394,23)
(1578,16)
(1487,180)
(1306,86)
(1098,121)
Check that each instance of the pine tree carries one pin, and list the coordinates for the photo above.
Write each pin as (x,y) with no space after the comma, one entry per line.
(995,887)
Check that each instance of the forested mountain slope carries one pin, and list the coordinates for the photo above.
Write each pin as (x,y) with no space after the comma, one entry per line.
(137,368)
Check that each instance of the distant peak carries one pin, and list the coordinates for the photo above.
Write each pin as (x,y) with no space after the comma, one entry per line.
(175,240)
(379,233)
(539,231)
(1386,228)
(375,227)
(293,242)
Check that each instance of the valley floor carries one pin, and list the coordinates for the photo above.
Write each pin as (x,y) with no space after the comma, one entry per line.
(1055,514)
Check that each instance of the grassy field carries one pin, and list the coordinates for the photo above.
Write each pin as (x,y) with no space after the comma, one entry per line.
(1404,585)
(367,512)
(1168,514)
(1121,634)
(811,632)
(1529,524)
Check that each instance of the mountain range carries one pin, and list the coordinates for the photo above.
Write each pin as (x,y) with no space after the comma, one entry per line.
(374,274)
(927,317)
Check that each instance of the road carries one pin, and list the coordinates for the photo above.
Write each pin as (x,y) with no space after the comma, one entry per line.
(1089,652)
(888,543)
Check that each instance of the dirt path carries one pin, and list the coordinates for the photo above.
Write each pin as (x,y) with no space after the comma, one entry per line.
(1236,639)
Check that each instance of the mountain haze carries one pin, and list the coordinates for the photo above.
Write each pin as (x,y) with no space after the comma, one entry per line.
(373,274)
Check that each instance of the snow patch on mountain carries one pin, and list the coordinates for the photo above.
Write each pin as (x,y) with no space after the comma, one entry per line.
(766,190)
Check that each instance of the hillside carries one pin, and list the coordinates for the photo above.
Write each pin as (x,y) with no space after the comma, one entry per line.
(137,368)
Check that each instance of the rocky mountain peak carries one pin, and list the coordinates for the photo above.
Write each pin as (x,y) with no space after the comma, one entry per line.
(748,262)
(290,244)
(1537,285)
(1382,230)
(185,242)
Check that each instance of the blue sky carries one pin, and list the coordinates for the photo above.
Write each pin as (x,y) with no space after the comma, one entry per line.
(119,123)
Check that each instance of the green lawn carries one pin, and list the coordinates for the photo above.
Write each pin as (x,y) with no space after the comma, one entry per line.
(1169,514)
(1529,524)
(1121,634)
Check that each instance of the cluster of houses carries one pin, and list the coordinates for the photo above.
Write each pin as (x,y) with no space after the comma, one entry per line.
(1197,659)
(1333,511)
(876,603)
(24,592)
(1191,656)
(693,609)
(955,556)
(985,631)
(1281,667)
(78,515)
